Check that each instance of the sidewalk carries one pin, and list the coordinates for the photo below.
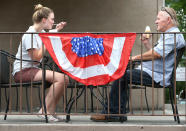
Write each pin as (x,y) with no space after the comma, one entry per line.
(83,123)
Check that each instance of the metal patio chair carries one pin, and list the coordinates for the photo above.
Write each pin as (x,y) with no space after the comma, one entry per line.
(5,79)
(171,87)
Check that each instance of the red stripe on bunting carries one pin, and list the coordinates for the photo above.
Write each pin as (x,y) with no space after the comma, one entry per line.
(48,45)
(129,41)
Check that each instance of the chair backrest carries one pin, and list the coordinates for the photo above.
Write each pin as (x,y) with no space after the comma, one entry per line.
(178,59)
(179,55)
(4,68)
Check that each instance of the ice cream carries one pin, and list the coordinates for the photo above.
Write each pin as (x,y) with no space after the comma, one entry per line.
(147,29)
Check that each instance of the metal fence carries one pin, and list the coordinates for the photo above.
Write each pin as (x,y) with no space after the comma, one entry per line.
(78,99)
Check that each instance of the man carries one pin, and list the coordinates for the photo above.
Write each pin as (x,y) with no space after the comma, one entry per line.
(166,22)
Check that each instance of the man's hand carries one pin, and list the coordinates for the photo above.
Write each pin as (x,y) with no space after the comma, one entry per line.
(146,40)
(133,58)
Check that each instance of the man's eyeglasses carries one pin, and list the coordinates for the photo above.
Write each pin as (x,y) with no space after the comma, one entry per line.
(164,9)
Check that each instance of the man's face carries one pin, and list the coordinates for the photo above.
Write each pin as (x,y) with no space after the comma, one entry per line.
(161,21)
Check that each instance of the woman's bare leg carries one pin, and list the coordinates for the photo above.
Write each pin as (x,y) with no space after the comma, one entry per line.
(56,90)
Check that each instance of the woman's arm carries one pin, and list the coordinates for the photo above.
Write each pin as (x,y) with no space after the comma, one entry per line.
(36,54)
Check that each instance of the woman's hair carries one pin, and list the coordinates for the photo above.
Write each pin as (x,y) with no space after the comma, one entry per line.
(40,12)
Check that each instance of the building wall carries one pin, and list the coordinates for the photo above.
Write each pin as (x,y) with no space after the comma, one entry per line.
(81,16)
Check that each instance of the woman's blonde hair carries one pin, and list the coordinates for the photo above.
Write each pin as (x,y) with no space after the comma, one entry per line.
(40,13)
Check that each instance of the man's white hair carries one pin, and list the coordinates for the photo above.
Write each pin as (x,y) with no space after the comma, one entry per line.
(170,12)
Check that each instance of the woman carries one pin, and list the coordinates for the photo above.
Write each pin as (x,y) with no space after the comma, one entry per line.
(43,18)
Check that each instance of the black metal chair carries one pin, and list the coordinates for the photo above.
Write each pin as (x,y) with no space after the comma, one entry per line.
(6,81)
(171,87)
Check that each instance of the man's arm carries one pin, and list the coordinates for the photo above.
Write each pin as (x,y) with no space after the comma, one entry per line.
(149,55)
(148,45)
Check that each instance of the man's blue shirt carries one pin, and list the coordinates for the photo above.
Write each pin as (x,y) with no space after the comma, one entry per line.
(168,54)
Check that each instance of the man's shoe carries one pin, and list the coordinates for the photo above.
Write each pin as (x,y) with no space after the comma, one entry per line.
(116,118)
(103,118)
(98,118)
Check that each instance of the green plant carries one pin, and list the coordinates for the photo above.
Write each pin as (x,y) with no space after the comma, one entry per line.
(180,7)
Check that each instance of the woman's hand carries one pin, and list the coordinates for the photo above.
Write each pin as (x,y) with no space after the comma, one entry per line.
(60,25)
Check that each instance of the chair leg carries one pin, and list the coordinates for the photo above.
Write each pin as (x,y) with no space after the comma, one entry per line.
(146,99)
(76,100)
(43,91)
(7,108)
(27,102)
(16,99)
(45,109)
(71,95)
(178,118)
(39,95)
(105,97)
(0,99)
(85,104)
(68,109)
(102,102)
(128,101)
(171,99)
(92,102)
(176,109)
(7,105)
(6,96)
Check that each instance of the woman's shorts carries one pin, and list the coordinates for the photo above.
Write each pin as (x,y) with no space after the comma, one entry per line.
(28,74)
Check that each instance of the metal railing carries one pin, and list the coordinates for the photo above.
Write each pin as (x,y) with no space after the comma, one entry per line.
(94,97)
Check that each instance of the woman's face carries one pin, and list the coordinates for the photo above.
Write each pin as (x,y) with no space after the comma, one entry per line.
(48,23)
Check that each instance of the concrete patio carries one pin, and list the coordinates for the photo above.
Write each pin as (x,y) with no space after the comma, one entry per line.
(83,123)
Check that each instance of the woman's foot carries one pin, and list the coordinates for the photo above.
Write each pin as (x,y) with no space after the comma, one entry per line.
(60,118)
(51,118)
